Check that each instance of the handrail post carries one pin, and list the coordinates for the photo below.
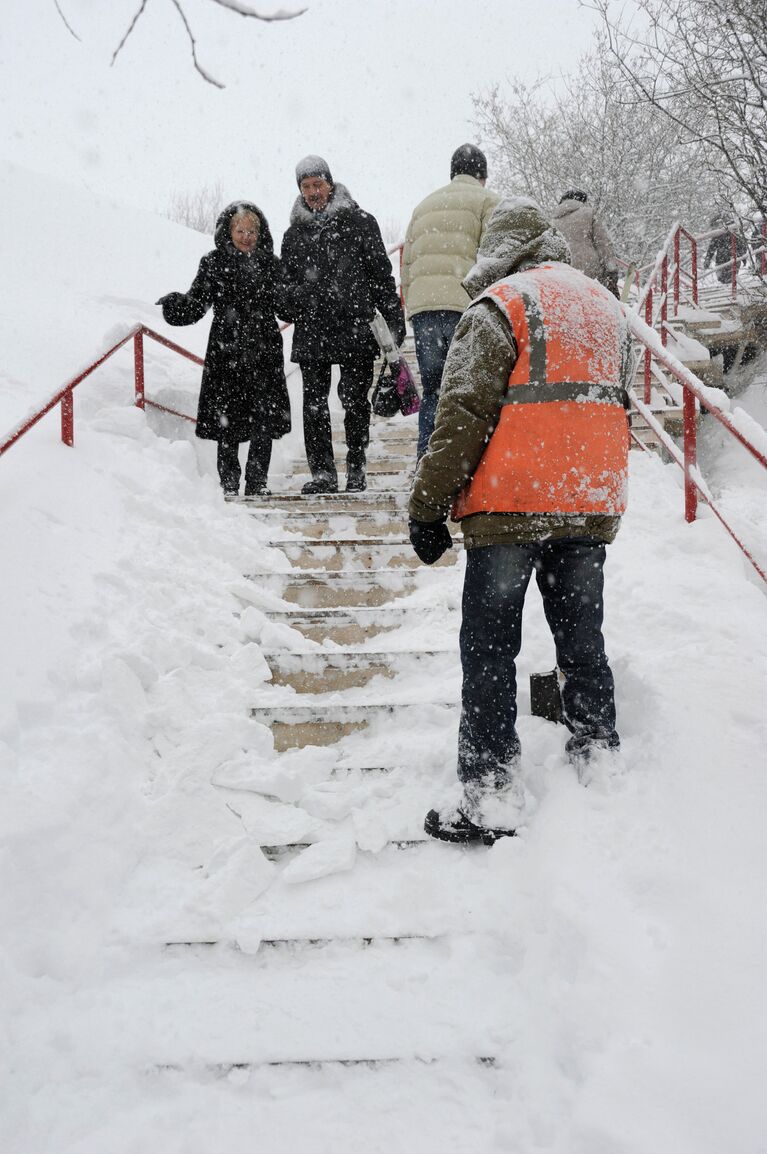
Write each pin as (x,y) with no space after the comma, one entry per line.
(138,366)
(647,353)
(690,453)
(68,418)
(677,239)
(664,300)
(734,255)
(694,254)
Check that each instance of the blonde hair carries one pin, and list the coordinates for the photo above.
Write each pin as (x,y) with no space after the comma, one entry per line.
(246,213)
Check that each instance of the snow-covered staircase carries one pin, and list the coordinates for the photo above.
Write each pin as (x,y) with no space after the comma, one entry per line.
(353,676)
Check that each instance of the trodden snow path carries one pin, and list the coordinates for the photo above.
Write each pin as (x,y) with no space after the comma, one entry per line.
(215,944)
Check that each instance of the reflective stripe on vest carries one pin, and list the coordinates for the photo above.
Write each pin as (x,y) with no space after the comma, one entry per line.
(561,442)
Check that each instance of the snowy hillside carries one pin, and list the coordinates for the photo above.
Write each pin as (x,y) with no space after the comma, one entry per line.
(610,959)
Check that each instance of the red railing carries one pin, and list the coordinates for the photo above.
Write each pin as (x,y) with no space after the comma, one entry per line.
(65,395)
(693,390)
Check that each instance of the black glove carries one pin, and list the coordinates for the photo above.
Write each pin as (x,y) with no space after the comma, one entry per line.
(174,308)
(430,539)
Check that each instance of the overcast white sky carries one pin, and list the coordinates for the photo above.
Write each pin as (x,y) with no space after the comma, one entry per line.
(381,88)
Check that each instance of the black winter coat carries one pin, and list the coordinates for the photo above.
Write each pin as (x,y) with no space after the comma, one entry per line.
(335,273)
(243,390)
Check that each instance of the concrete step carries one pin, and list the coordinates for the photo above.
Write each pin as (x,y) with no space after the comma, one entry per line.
(328,524)
(394,428)
(220,1070)
(294,502)
(291,849)
(353,554)
(297,946)
(318,588)
(349,625)
(320,723)
(328,671)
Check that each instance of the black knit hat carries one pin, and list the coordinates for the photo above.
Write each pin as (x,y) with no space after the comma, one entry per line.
(313,166)
(574,194)
(468,160)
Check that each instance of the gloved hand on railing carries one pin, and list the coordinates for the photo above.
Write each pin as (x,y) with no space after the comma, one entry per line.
(430,539)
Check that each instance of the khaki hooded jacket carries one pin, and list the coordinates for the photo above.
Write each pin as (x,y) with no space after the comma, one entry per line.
(441,245)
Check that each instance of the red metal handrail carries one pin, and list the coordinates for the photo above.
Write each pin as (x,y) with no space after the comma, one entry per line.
(693,390)
(65,395)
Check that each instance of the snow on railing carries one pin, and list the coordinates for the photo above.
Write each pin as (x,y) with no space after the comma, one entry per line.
(65,395)
(694,392)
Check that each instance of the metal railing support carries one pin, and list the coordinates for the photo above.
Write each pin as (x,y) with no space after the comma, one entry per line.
(138,368)
(68,418)
(647,354)
(690,442)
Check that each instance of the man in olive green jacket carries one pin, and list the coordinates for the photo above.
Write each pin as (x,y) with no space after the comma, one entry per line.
(440,247)
(511,541)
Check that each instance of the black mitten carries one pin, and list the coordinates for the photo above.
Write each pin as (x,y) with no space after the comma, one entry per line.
(430,539)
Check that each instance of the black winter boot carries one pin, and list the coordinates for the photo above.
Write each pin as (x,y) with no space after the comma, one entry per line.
(319,485)
(453,825)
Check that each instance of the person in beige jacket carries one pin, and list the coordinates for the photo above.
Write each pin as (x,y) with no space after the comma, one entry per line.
(440,247)
(591,248)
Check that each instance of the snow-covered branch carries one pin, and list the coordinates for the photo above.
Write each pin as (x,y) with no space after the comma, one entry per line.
(235,6)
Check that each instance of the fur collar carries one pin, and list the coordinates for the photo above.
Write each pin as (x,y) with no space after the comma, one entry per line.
(340,199)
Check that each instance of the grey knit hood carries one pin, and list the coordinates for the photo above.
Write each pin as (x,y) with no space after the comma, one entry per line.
(518,236)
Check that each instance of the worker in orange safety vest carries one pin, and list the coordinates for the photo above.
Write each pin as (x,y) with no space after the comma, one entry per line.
(530,454)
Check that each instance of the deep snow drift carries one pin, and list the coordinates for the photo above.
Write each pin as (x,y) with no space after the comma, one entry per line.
(610,958)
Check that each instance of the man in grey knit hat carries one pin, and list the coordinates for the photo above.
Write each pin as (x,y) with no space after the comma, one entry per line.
(335,274)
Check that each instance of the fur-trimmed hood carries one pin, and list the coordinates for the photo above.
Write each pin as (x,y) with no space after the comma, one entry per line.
(340,198)
(518,236)
(223,236)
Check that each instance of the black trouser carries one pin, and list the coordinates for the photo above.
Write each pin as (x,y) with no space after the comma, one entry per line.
(353,389)
(256,469)
(569,576)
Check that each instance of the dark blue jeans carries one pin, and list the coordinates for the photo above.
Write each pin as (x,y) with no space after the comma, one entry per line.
(569,575)
(433,333)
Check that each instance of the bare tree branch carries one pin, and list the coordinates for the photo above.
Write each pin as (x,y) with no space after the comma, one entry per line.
(245,10)
(641,170)
(205,75)
(67,25)
(131,26)
(230,5)
(703,65)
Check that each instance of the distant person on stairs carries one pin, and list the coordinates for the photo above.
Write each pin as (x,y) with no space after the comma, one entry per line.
(440,247)
(335,274)
(530,452)
(591,249)
(719,251)
(243,396)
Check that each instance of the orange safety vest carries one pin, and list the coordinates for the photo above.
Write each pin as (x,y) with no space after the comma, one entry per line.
(561,442)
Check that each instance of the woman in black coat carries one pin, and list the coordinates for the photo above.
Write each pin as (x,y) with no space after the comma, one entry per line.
(243,395)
